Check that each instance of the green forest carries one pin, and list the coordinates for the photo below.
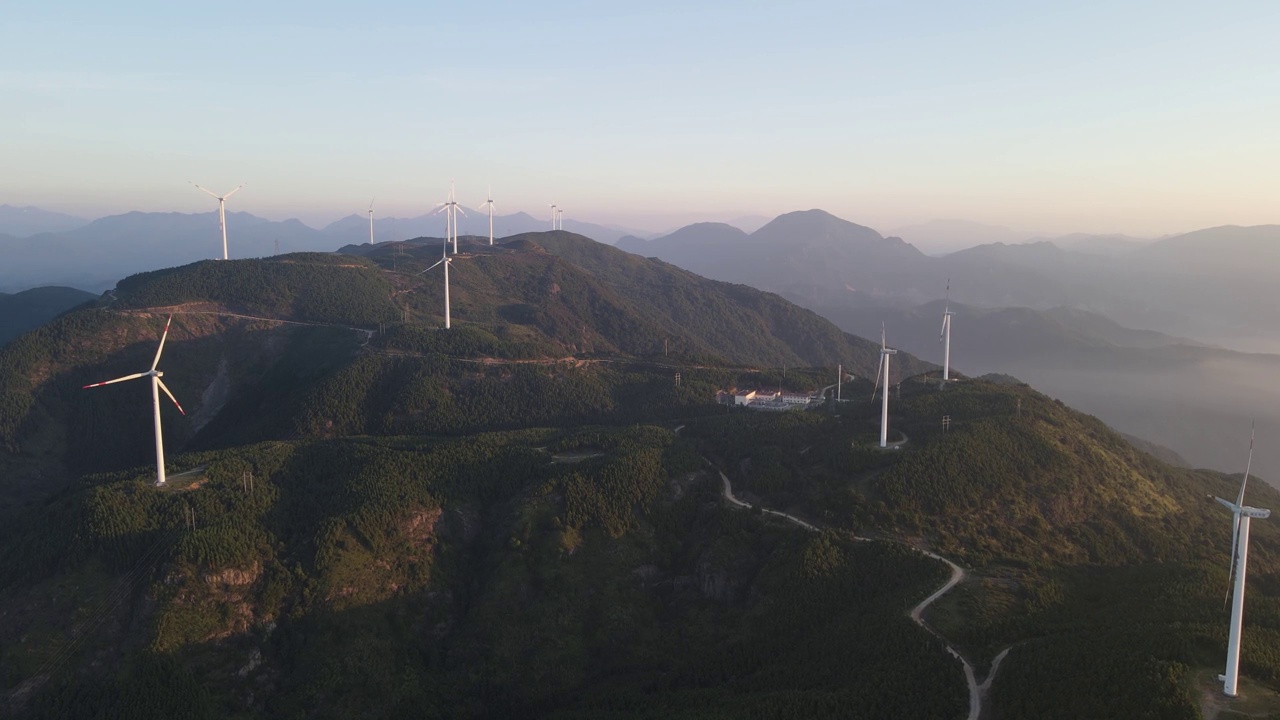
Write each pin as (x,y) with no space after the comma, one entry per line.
(369,516)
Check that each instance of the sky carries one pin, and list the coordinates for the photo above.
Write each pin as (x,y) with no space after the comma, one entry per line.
(1144,118)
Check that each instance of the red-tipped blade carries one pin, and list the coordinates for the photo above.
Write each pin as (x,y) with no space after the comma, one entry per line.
(171,397)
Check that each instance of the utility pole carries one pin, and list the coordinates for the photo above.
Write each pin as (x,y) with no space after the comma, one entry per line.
(946,423)
(677,379)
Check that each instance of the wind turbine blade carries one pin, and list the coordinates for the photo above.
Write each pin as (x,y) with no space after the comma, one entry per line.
(160,349)
(433,267)
(1248,466)
(134,376)
(439,207)
(942,333)
(171,397)
(233,192)
(1231,566)
(212,194)
(879,372)
(458,208)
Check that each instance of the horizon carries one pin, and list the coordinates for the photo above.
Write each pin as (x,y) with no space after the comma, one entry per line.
(655,230)
(1105,123)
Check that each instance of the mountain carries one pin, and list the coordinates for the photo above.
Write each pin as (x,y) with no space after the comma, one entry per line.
(1198,400)
(1085,551)
(32,308)
(27,221)
(286,349)
(1219,251)
(1109,245)
(560,282)
(97,255)
(529,516)
(1187,285)
(715,237)
(597,571)
(938,237)
(800,255)
(354,229)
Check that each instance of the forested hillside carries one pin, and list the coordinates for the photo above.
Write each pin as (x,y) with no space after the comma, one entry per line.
(32,308)
(370,516)
(469,578)
(1094,560)
(591,297)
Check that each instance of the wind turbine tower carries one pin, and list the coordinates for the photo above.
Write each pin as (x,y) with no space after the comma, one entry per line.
(489,204)
(945,336)
(222,212)
(371,221)
(446,261)
(882,374)
(156,386)
(1241,515)
(553,216)
(559,218)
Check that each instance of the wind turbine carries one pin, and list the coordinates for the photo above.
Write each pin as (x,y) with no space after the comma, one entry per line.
(452,209)
(883,372)
(222,212)
(553,216)
(559,218)
(1241,514)
(945,336)
(446,261)
(489,203)
(156,385)
(371,221)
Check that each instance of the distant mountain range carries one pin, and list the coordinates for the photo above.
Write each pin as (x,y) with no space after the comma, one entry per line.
(1214,284)
(94,255)
(1211,284)
(25,221)
(939,237)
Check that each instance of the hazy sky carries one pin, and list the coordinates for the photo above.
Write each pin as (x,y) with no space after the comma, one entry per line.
(1137,117)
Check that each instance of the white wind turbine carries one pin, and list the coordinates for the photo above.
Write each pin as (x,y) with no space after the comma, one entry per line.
(371,221)
(945,336)
(559,218)
(553,215)
(489,204)
(1241,514)
(446,261)
(883,373)
(156,385)
(451,209)
(222,212)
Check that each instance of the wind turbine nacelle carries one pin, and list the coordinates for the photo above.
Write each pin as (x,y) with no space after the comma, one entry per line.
(1254,512)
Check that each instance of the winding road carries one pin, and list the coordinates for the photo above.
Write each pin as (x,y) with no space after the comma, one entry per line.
(977,692)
